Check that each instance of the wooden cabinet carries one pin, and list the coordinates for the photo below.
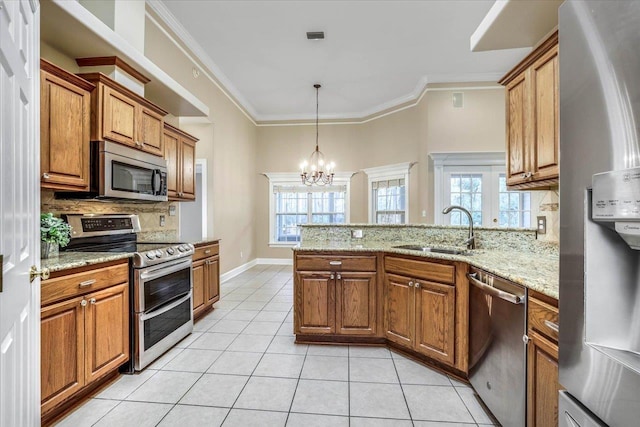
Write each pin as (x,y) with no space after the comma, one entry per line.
(206,277)
(180,154)
(122,116)
(65,103)
(84,329)
(426,308)
(532,122)
(542,362)
(336,295)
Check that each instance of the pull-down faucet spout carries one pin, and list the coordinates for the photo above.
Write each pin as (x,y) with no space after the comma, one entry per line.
(471,241)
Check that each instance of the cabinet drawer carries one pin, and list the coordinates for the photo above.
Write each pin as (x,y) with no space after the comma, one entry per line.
(335,263)
(543,318)
(74,284)
(436,272)
(206,251)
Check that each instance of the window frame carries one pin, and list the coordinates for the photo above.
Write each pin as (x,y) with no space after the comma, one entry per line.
(387,173)
(490,164)
(292,179)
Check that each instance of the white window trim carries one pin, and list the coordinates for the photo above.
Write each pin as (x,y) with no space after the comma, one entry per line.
(293,178)
(384,173)
(440,160)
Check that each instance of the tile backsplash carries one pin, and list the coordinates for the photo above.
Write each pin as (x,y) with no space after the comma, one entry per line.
(149,213)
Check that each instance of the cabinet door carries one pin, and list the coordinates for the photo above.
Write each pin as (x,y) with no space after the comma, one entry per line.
(543,387)
(107,331)
(435,320)
(62,347)
(544,80)
(356,304)
(188,169)
(213,280)
(171,147)
(151,131)
(399,312)
(198,286)
(315,303)
(118,117)
(517,158)
(64,134)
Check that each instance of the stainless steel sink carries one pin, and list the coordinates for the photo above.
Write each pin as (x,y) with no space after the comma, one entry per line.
(422,248)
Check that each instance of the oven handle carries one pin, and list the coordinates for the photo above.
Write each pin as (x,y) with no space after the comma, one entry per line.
(151,315)
(506,296)
(164,269)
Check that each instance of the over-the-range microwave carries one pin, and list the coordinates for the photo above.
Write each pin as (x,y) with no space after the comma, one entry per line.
(121,172)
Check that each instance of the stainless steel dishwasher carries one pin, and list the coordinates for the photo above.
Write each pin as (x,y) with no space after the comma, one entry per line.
(497,345)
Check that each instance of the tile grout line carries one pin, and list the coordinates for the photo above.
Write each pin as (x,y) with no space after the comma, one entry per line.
(404,396)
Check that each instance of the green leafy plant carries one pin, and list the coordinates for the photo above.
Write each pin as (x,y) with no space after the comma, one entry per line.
(54,230)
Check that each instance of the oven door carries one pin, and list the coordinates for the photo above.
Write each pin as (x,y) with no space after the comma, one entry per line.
(157,285)
(159,330)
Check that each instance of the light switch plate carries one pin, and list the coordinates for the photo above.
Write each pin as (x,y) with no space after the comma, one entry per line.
(162,220)
(542,225)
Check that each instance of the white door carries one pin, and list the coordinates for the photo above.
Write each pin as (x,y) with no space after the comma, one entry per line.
(19,212)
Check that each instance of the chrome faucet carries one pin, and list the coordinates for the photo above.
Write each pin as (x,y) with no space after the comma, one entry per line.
(471,241)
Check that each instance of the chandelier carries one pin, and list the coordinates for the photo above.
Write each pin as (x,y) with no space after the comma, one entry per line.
(316,170)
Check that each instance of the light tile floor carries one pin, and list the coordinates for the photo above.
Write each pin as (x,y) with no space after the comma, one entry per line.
(240,367)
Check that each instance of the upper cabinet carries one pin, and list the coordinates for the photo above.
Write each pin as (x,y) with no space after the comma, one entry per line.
(180,154)
(65,102)
(532,125)
(122,116)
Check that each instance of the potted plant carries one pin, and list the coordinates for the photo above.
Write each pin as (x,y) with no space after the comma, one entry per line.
(54,232)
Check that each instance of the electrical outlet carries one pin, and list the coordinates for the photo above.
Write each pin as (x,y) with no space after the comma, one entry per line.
(542,225)
(356,234)
(172,210)
(162,220)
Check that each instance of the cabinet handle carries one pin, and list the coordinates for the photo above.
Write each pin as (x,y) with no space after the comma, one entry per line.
(87,283)
(551,325)
(83,303)
(333,276)
(45,176)
(411,284)
(339,276)
(208,251)
(92,301)
(335,262)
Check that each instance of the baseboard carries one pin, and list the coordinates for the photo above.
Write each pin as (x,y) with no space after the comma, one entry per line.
(238,270)
(275,261)
(256,261)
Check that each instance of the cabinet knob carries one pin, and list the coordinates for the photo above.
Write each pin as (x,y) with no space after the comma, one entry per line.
(417,285)
(83,303)
(339,276)
(92,301)
(45,176)
(333,276)
(410,284)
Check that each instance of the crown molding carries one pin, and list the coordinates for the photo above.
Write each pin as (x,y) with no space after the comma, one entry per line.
(215,74)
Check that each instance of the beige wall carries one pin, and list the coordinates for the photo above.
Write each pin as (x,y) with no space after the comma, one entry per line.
(433,125)
(227,142)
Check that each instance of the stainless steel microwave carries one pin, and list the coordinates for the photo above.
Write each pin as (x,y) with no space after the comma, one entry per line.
(121,172)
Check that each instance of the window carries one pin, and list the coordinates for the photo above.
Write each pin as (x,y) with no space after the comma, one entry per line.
(293,204)
(389,193)
(477,182)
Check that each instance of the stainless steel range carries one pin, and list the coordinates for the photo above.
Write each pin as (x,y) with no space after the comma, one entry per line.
(161,281)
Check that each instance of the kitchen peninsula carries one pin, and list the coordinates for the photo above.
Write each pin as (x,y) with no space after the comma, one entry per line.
(424,303)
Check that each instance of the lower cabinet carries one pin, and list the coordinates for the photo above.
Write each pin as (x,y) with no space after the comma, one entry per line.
(542,362)
(84,330)
(335,300)
(206,278)
(426,308)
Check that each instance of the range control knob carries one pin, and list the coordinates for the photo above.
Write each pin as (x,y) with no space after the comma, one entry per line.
(181,248)
(170,251)
(158,253)
(150,255)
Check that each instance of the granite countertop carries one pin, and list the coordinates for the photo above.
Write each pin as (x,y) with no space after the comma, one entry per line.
(67,260)
(539,272)
(207,241)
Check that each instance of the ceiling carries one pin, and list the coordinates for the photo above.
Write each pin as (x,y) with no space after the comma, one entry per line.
(376,54)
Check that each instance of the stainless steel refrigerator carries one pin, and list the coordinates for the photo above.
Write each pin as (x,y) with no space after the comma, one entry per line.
(599,213)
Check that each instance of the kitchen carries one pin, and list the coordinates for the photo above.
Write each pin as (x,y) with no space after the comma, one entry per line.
(246,156)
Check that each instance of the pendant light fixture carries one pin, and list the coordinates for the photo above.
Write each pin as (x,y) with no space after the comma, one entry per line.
(316,170)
